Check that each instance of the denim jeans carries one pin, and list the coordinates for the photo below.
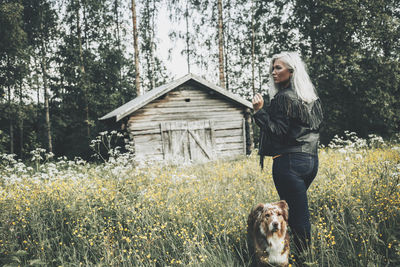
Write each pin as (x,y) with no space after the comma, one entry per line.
(293,173)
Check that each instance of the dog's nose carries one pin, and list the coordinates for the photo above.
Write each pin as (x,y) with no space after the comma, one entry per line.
(275,224)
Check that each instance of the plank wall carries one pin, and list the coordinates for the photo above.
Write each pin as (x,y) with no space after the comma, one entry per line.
(188,103)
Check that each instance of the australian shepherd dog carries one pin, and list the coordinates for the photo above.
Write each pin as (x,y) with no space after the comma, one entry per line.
(267,234)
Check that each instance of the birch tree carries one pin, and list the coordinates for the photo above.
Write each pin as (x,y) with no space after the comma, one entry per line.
(221,45)
(136,49)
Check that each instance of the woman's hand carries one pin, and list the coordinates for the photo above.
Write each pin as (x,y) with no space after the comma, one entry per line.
(258,102)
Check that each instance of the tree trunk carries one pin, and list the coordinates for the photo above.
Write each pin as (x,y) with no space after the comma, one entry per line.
(117,33)
(252,49)
(311,8)
(226,48)
(10,116)
(21,137)
(35,82)
(187,36)
(136,48)
(152,40)
(83,72)
(46,97)
(11,120)
(260,71)
(221,45)
(38,91)
(118,38)
(21,122)
(86,26)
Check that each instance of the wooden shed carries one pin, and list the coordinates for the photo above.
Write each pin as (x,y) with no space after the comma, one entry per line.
(187,120)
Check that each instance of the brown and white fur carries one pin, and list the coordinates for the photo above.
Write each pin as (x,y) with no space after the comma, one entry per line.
(267,234)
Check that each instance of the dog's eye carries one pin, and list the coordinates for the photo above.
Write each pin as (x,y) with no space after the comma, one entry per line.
(267,215)
(279,214)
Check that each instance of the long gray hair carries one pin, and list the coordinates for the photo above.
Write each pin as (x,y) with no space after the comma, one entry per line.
(300,81)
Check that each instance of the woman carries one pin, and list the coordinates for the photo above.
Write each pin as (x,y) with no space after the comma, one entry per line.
(290,133)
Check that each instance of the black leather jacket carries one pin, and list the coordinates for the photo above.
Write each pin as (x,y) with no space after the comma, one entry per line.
(288,125)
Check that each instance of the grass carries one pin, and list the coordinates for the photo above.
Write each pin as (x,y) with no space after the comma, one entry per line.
(72,213)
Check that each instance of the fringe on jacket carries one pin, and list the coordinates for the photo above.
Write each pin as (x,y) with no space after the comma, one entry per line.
(310,114)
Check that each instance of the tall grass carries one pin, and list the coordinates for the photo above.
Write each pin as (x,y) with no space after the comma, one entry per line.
(72,213)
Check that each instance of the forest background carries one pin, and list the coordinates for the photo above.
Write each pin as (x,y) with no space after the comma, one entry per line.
(65,63)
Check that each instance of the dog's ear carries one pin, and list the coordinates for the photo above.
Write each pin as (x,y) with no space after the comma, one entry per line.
(285,209)
(259,209)
(254,214)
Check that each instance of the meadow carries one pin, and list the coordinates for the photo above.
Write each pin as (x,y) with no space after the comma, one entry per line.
(59,212)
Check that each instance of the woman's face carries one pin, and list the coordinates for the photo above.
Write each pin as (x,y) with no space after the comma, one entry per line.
(281,74)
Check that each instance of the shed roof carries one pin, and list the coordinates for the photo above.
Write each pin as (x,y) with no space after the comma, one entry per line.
(149,96)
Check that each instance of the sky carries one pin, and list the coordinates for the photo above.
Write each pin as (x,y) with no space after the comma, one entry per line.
(177,64)
(164,27)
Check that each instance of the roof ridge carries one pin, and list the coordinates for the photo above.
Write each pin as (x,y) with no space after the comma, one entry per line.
(142,100)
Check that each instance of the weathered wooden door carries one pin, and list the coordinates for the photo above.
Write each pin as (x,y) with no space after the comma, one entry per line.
(185,141)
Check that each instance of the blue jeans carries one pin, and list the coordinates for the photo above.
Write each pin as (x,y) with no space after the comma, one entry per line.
(293,173)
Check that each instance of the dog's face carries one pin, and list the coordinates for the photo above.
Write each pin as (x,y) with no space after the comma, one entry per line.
(267,233)
(272,218)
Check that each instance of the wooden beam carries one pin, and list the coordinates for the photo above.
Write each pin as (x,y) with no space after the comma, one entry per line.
(200,144)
